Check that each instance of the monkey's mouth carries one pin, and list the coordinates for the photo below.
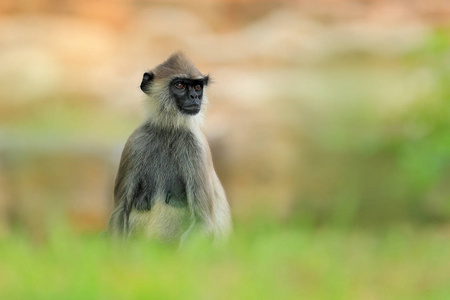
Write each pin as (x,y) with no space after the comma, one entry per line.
(191,109)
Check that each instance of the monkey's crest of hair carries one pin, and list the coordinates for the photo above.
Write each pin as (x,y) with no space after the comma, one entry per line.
(161,108)
(178,64)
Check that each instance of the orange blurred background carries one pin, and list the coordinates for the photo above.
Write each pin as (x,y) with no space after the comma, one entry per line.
(307,98)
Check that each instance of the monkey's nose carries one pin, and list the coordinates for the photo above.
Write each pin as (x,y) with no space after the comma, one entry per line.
(193,96)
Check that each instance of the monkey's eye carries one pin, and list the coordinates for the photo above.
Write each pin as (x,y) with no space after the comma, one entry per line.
(179,85)
(197,87)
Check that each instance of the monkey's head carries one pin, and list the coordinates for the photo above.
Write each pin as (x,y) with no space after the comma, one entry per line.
(175,90)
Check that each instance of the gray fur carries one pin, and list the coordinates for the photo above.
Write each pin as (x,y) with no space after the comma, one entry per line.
(166,185)
(177,64)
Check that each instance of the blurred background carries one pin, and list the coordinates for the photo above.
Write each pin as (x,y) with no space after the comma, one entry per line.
(324,115)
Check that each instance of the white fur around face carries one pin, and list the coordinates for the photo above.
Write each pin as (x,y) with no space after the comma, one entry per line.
(162,109)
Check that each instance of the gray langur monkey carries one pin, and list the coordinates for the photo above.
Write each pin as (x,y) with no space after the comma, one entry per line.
(166,185)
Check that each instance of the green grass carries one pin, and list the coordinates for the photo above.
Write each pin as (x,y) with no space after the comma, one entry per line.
(260,262)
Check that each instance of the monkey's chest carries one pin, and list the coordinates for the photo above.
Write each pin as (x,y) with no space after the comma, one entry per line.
(165,180)
(169,162)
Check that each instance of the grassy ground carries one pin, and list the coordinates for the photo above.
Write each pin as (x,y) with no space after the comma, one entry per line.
(261,262)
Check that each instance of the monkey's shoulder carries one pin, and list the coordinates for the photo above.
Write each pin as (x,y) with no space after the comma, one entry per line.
(150,138)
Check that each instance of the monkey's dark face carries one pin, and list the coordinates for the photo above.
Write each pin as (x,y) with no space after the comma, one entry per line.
(188,94)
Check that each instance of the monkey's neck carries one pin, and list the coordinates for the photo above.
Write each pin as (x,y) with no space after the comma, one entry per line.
(174,121)
(170,125)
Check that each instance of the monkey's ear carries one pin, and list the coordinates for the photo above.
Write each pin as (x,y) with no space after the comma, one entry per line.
(147,79)
(206,80)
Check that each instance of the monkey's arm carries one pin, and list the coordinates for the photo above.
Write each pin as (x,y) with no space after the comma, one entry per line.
(130,190)
(132,197)
(222,216)
(221,208)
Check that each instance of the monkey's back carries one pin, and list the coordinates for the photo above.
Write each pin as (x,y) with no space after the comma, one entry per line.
(150,188)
